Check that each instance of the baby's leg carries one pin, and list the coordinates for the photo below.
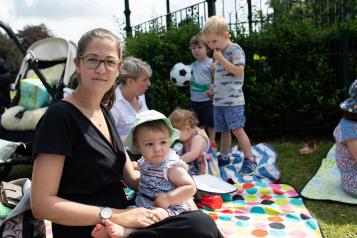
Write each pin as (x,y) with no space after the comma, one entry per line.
(118,231)
(99,231)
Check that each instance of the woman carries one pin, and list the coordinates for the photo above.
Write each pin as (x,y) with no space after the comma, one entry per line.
(79,162)
(134,80)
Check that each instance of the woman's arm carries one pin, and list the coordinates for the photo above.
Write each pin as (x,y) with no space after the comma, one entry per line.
(352,146)
(131,175)
(185,188)
(197,145)
(45,204)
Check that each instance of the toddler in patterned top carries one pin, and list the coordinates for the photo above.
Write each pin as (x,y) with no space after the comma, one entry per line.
(346,142)
(165,185)
(196,143)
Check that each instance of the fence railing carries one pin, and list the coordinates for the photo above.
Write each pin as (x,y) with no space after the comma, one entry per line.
(197,13)
(321,12)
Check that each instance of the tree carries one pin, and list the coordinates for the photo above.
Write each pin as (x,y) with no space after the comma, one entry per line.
(33,33)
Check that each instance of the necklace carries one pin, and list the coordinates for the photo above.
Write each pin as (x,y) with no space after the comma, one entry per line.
(89,113)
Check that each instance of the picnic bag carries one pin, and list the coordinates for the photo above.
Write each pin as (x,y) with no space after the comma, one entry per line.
(20,222)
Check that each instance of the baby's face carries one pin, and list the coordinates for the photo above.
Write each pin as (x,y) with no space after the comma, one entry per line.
(154,145)
(216,41)
(199,51)
(186,133)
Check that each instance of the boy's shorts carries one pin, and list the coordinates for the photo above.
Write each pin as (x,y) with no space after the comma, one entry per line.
(228,118)
(204,112)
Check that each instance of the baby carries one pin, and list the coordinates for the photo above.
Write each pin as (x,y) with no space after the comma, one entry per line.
(196,143)
(165,184)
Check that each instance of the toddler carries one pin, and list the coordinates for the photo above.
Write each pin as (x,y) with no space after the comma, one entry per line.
(164,182)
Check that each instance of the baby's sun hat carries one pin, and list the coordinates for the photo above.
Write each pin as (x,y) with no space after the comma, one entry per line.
(350,104)
(145,116)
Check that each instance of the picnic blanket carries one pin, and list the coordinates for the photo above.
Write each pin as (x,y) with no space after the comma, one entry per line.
(326,183)
(261,209)
(266,171)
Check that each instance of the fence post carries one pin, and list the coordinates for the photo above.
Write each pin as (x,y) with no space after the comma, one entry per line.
(211,7)
(249,2)
(127,19)
(168,15)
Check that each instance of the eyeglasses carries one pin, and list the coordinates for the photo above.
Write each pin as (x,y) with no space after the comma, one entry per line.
(93,62)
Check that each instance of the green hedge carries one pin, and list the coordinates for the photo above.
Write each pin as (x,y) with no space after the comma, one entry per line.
(293,76)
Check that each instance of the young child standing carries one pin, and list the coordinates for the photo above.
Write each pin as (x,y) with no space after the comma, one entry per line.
(228,98)
(165,185)
(195,141)
(201,89)
(346,142)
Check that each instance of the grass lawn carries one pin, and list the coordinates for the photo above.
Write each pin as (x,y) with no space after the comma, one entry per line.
(337,220)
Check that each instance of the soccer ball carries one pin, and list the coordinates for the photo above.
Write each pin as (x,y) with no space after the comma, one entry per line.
(181,74)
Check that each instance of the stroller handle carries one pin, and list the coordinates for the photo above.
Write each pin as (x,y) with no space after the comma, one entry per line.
(13,37)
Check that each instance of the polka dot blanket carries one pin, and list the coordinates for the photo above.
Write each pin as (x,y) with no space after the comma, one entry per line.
(259,209)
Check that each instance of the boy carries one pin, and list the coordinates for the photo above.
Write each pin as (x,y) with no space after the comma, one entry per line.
(228,101)
(201,86)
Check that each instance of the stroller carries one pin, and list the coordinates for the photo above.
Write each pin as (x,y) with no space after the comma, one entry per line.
(45,73)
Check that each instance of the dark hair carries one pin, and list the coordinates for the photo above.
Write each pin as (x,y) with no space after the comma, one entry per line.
(198,39)
(100,33)
(133,68)
(349,115)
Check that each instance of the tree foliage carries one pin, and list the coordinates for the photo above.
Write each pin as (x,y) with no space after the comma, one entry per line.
(9,51)
(295,74)
(33,33)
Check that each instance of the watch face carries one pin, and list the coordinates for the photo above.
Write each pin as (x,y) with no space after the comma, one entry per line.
(106,213)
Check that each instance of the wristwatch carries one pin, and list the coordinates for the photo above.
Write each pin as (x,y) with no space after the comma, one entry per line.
(105,214)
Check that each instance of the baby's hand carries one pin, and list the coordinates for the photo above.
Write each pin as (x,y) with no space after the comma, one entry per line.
(162,201)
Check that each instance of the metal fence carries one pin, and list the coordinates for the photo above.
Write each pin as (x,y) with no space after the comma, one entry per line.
(250,15)
(197,13)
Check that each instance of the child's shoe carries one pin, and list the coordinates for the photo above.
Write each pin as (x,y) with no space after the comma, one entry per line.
(248,167)
(223,160)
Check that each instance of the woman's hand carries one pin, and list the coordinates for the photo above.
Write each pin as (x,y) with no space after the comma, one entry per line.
(159,213)
(136,217)
(135,165)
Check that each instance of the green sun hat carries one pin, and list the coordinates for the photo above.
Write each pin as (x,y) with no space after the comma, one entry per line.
(145,116)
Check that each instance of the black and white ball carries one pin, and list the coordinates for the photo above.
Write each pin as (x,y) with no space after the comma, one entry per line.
(181,74)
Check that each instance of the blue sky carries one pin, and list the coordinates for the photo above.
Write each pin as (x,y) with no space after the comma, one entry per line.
(71,18)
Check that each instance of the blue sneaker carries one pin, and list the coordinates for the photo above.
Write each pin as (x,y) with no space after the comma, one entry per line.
(223,160)
(248,167)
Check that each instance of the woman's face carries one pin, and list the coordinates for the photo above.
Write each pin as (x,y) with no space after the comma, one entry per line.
(140,85)
(98,66)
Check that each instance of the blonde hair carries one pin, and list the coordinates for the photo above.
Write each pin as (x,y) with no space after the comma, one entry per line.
(180,118)
(215,24)
(198,39)
(133,68)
